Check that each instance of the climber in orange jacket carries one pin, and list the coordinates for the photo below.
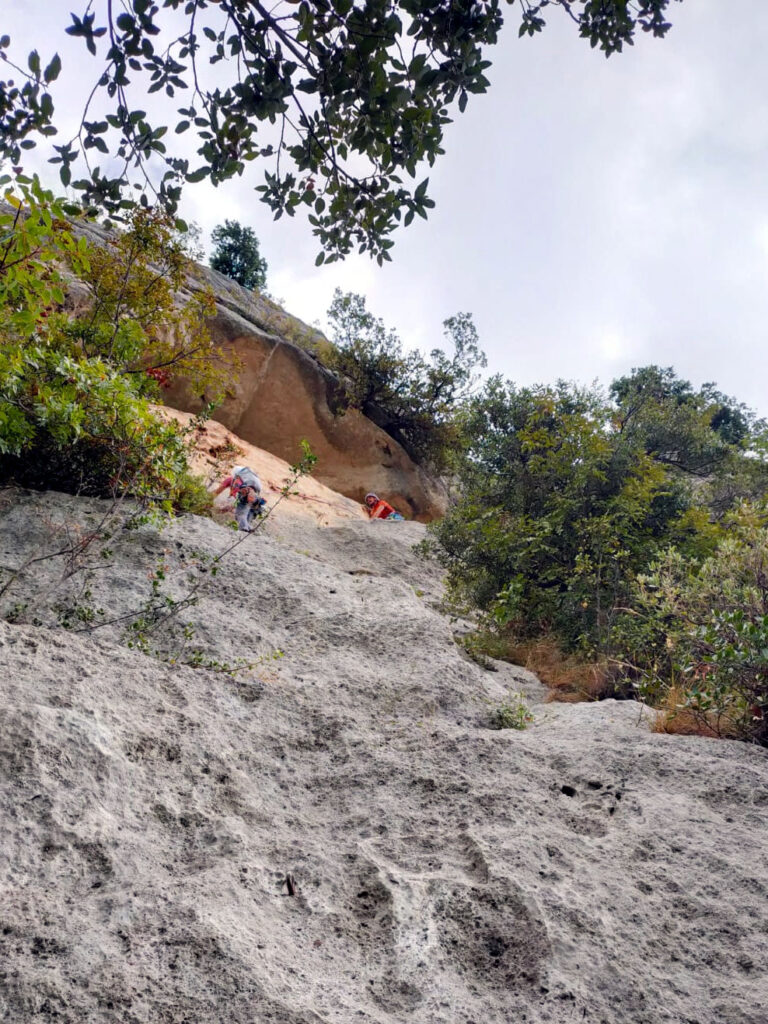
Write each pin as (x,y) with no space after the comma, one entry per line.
(377,508)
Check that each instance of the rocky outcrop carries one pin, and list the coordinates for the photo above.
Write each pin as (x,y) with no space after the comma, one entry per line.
(311,822)
(281,394)
(214,449)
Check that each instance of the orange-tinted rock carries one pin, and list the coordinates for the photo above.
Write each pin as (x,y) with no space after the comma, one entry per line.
(282,394)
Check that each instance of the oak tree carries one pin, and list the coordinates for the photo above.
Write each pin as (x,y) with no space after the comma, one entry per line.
(340,101)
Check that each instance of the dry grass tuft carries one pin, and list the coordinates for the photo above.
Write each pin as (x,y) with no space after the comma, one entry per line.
(570,678)
(674,719)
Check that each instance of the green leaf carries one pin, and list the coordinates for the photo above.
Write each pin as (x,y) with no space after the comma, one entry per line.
(198,175)
(53,70)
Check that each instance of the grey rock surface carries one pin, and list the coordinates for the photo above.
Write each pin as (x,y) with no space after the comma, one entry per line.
(585,869)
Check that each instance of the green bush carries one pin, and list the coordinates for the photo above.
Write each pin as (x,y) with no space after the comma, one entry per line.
(190,494)
(558,512)
(415,400)
(512,713)
(700,631)
(76,387)
(568,495)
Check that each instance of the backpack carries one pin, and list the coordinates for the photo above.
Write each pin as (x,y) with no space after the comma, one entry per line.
(247,478)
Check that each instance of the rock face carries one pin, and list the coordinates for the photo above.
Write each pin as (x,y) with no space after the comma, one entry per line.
(214,450)
(282,394)
(335,834)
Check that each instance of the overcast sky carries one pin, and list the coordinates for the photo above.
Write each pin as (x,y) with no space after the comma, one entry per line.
(592,215)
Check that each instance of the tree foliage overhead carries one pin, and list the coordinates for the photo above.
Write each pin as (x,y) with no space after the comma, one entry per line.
(339,99)
(236,255)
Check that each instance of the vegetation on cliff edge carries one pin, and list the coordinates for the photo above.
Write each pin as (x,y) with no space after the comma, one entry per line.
(79,368)
(627,529)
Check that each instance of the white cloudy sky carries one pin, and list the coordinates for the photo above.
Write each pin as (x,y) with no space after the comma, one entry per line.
(593,215)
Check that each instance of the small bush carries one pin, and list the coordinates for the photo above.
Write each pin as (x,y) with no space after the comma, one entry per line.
(513,713)
(189,494)
(75,388)
(480,647)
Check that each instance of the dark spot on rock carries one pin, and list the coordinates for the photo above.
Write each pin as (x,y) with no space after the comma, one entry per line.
(568,790)
(495,945)
(46,947)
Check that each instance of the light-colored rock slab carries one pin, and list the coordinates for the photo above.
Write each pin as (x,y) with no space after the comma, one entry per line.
(585,869)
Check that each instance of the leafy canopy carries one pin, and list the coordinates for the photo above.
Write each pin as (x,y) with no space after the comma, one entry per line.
(686,429)
(236,254)
(413,399)
(627,528)
(568,495)
(338,99)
